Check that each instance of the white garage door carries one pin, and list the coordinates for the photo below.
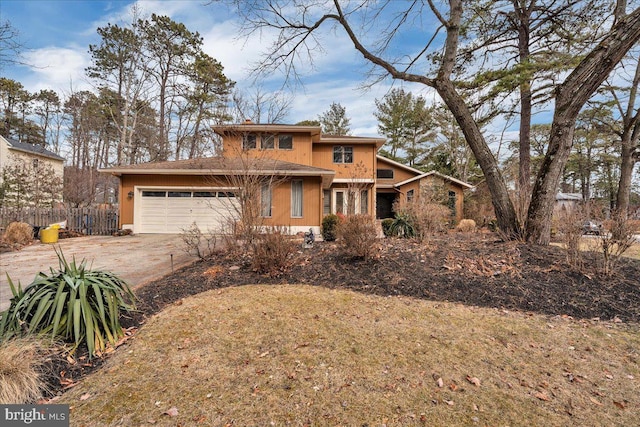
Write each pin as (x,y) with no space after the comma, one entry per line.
(172,211)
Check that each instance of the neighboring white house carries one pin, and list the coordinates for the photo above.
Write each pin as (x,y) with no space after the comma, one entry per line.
(567,202)
(30,167)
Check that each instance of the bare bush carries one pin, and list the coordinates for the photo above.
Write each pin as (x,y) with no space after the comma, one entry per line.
(273,251)
(358,236)
(427,217)
(466,226)
(198,243)
(570,233)
(614,243)
(18,233)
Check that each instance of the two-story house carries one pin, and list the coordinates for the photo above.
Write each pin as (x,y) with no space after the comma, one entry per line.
(26,167)
(313,175)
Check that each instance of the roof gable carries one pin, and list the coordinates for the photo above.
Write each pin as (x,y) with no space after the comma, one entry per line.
(24,147)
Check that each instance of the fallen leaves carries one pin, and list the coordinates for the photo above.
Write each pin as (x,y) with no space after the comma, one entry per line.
(172,412)
(473,380)
(542,395)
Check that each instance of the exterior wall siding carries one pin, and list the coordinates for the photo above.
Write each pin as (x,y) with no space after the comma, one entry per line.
(300,154)
(362,154)
(399,174)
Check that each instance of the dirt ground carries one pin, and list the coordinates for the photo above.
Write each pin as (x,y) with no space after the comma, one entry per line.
(473,269)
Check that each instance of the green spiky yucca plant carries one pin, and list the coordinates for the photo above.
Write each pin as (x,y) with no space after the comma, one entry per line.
(403,226)
(72,303)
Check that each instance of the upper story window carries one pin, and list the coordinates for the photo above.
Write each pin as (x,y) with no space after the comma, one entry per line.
(268,141)
(342,154)
(248,141)
(285,142)
(384,173)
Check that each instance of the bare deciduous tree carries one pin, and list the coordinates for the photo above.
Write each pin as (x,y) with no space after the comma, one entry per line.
(298,24)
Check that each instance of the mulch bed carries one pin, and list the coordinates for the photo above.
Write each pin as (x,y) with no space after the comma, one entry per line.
(474,269)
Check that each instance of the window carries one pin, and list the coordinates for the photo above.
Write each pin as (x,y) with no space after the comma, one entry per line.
(339,202)
(248,141)
(296,198)
(204,194)
(154,194)
(265,200)
(179,193)
(285,142)
(351,202)
(452,203)
(268,142)
(342,154)
(364,201)
(226,194)
(326,202)
(384,173)
(410,196)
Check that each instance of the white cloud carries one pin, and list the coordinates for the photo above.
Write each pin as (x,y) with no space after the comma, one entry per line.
(57,68)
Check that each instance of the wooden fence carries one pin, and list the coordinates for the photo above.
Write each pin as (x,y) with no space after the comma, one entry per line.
(90,221)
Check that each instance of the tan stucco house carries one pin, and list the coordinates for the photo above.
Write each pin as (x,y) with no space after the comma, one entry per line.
(319,174)
(34,160)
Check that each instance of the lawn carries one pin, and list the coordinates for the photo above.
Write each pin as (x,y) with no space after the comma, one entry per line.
(463,329)
(302,355)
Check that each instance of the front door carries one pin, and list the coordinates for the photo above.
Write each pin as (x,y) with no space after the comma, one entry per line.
(384,205)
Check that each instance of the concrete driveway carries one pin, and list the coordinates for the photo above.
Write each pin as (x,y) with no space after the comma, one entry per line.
(135,258)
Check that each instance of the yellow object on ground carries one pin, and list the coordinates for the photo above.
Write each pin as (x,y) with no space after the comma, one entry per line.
(49,235)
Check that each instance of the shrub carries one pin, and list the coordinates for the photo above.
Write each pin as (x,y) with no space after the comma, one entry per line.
(198,243)
(273,251)
(428,218)
(329,228)
(358,236)
(71,303)
(18,233)
(615,243)
(21,361)
(386,224)
(402,226)
(570,233)
(466,225)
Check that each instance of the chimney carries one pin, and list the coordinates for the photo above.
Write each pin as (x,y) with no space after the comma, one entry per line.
(248,122)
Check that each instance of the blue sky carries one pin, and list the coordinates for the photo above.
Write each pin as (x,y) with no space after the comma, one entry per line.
(57,35)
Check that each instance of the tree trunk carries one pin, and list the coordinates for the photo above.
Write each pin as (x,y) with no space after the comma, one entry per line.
(570,97)
(627,162)
(505,212)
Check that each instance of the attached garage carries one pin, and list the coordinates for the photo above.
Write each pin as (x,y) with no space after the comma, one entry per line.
(168,197)
(174,210)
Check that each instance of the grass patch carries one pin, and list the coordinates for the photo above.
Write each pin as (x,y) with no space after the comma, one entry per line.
(592,244)
(21,364)
(301,355)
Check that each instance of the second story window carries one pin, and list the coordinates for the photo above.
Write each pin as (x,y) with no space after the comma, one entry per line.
(248,141)
(268,142)
(342,154)
(285,142)
(384,173)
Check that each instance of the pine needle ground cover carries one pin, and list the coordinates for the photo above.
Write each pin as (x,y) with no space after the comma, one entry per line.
(303,355)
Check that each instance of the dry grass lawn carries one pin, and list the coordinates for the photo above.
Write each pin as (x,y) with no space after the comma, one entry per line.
(301,355)
(592,244)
